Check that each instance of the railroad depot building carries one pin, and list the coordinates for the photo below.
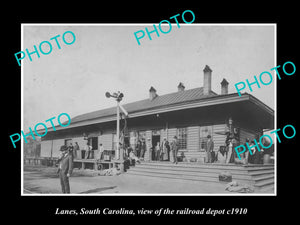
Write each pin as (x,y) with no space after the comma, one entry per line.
(190,114)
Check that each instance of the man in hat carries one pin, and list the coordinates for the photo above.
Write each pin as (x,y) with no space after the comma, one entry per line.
(65,168)
(88,150)
(101,151)
(210,148)
(164,149)
(143,148)
(174,149)
(229,151)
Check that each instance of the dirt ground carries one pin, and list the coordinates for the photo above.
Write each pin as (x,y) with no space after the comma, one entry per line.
(44,180)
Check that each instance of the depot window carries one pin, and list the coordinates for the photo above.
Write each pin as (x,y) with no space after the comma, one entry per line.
(204,131)
(182,137)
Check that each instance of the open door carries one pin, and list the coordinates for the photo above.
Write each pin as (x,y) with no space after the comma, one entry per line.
(155,139)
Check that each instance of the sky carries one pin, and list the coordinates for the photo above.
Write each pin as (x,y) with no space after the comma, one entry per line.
(106,57)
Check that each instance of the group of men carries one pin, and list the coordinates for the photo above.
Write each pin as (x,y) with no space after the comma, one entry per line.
(227,154)
(161,151)
(86,151)
(140,148)
(256,156)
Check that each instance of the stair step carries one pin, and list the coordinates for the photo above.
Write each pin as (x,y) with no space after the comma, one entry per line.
(264,183)
(194,165)
(264,177)
(263,172)
(193,153)
(261,176)
(260,169)
(259,165)
(199,164)
(181,177)
(237,171)
(192,173)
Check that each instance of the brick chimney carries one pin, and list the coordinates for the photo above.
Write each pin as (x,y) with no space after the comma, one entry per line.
(207,80)
(224,87)
(180,87)
(152,93)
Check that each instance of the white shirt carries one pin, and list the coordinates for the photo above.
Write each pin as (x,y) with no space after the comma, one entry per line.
(101,149)
(88,147)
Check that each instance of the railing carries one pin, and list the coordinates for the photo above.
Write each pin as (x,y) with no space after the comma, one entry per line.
(94,154)
(96,164)
(92,162)
(40,161)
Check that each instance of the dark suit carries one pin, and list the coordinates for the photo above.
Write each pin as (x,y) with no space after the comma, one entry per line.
(65,167)
(210,148)
(174,149)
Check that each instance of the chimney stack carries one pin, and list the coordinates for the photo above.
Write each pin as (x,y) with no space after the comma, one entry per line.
(181,87)
(207,80)
(152,93)
(224,87)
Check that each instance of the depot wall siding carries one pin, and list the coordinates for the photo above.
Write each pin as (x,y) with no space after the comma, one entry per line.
(171,133)
(163,134)
(55,145)
(46,148)
(244,134)
(218,138)
(193,138)
(106,140)
(80,140)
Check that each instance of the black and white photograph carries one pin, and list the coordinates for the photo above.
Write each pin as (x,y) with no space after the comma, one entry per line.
(149,109)
(143,112)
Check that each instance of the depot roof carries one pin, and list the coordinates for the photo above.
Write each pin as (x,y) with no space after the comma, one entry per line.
(192,98)
(147,104)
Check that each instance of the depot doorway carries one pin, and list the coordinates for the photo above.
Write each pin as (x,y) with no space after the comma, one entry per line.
(155,139)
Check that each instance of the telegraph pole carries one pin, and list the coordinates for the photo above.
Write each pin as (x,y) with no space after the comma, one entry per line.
(120,153)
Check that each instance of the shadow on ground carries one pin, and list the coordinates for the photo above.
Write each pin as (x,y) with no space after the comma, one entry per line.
(96,190)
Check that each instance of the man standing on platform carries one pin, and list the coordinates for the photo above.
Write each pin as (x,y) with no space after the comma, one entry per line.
(101,151)
(174,149)
(210,148)
(76,150)
(88,150)
(229,152)
(65,168)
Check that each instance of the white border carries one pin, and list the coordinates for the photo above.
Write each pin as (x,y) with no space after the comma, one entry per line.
(22,111)
(146,24)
